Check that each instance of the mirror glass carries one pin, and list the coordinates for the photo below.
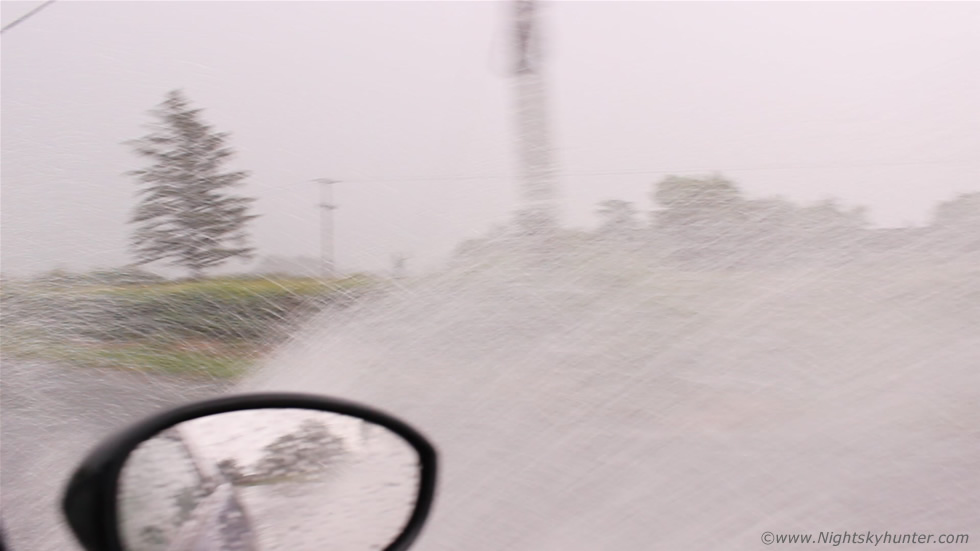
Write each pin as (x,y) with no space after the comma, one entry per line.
(268,479)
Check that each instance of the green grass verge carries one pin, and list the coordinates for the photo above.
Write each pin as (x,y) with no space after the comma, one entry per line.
(215,328)
(235,287)
(154,359)
(218,362)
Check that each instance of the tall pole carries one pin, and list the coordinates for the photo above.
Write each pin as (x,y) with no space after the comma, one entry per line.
(539,213)
(327,261)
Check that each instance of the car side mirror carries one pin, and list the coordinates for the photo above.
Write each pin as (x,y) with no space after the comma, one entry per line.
(253,472)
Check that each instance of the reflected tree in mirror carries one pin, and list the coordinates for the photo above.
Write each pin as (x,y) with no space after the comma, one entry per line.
(307,451)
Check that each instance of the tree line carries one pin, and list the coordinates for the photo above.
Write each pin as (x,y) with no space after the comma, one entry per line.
(190,215)
(707,220)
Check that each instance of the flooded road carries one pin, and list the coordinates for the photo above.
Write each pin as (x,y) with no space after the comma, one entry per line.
(674,411)
(51,416)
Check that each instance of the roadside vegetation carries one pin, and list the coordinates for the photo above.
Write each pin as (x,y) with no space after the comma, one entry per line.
(704,236)
(214,328)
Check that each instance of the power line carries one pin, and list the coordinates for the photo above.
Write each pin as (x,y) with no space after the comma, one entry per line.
(24,17)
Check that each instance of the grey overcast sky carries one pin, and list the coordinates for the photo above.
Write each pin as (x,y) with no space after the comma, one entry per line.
(876,104)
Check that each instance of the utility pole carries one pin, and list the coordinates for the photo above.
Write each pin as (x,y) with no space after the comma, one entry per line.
(327,261)
(398,266)
(539,214)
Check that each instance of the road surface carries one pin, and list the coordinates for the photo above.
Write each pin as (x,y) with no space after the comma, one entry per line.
(51,416)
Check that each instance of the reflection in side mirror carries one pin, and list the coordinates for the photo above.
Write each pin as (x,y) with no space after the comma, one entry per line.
(268,479)
(220,478)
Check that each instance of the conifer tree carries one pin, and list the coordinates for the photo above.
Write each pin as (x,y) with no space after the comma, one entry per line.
(188,213)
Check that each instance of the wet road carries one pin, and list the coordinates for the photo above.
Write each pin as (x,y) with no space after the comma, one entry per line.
(50,416)
(579,414)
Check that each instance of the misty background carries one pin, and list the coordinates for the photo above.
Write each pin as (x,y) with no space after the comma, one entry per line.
(409,104)
(732,365)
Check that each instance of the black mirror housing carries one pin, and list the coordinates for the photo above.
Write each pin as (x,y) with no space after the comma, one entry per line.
(90,498)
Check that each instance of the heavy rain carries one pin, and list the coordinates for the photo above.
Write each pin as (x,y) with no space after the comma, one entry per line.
(655,275)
